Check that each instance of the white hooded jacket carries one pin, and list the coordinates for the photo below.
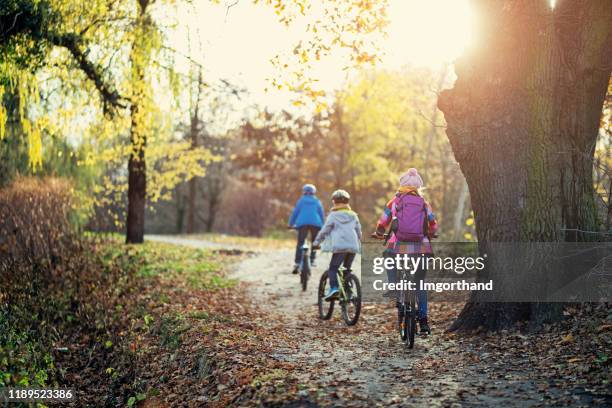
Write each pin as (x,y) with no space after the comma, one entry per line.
(342,227)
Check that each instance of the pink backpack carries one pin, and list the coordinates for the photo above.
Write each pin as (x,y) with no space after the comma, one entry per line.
(411,216)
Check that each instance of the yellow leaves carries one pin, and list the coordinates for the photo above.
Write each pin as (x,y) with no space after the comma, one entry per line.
(3,114)
(24,84)
(32,131)
(177,162)
(468,236)
(35,148)
(469,221)
(321,107)
(567,339)
(345,29)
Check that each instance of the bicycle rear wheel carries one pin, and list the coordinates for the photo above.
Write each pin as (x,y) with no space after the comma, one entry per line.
(410,321)
(305,271)
(401,321)
(325,308)
(351,305)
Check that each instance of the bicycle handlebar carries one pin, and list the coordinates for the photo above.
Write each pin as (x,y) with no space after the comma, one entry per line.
(386,237)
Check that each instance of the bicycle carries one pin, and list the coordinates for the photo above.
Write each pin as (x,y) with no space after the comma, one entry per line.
(406,306)
(406,313)
(305,267)
(349,297)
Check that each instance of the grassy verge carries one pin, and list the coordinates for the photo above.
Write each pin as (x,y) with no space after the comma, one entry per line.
(103,315)
(193,329)
(121,324)
(199,268)
(276,240)
(180,298)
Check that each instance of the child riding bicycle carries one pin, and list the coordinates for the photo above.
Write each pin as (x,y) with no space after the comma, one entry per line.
(307,218)
(413,224)
(343,227)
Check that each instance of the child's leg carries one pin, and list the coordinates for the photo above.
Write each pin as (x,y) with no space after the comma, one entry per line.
(348,260)
(334,264)
(392,271)
(421,294)
(301,237)
(313,234)
(422,303)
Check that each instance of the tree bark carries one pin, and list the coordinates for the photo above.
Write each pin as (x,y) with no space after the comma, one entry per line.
(194,133)
(459,210)
(137,190)
(137,168)
(191,199)
(523,118)
(213,207)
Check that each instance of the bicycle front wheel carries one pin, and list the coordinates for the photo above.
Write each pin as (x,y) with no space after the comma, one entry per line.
(351,304)
(410,322)
(325,308)
(305,271)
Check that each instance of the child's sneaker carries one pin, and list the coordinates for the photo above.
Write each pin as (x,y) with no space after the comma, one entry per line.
(295,269)
(425,330)
(331,294)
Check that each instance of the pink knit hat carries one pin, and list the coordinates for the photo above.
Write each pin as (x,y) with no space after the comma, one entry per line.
(411,178)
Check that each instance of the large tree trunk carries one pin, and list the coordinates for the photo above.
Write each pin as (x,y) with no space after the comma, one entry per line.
(522,119)
(137,189)
(137,170)
(459,210)
(137,175)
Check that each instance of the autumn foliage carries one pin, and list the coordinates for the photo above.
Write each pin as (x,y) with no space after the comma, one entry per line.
(57,303)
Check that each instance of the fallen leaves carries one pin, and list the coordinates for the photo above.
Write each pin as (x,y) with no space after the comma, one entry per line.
(232,347)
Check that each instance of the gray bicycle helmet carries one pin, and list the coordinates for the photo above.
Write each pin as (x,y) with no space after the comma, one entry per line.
(341,196)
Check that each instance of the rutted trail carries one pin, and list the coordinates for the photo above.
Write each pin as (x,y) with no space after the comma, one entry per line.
(367,365)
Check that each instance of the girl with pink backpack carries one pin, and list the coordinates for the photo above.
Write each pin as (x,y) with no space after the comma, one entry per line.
(412,224)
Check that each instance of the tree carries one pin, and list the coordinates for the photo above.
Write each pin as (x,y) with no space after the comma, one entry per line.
(104,37)
(110,49)
(29,30)
(523,119)
(145,39)
(194,130)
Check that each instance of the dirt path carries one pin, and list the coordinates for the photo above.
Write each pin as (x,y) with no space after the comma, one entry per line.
(367,365)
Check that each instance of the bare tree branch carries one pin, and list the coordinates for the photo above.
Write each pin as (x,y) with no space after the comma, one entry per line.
(111,99)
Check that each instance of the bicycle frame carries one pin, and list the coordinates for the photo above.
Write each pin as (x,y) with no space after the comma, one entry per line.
(341,283)
(403,299)
(348,297)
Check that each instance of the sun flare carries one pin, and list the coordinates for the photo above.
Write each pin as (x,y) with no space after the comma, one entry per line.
(428,33)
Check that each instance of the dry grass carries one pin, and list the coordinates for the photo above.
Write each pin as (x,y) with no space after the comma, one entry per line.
(255,243)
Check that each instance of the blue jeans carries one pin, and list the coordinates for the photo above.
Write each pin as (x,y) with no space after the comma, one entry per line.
(419,275)
(338,259)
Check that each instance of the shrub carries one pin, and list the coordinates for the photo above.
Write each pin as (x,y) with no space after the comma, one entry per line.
(60,302)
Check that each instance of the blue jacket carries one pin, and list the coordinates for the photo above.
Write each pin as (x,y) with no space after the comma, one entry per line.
(308,211)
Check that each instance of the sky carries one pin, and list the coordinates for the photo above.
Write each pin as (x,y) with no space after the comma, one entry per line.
(237,43)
